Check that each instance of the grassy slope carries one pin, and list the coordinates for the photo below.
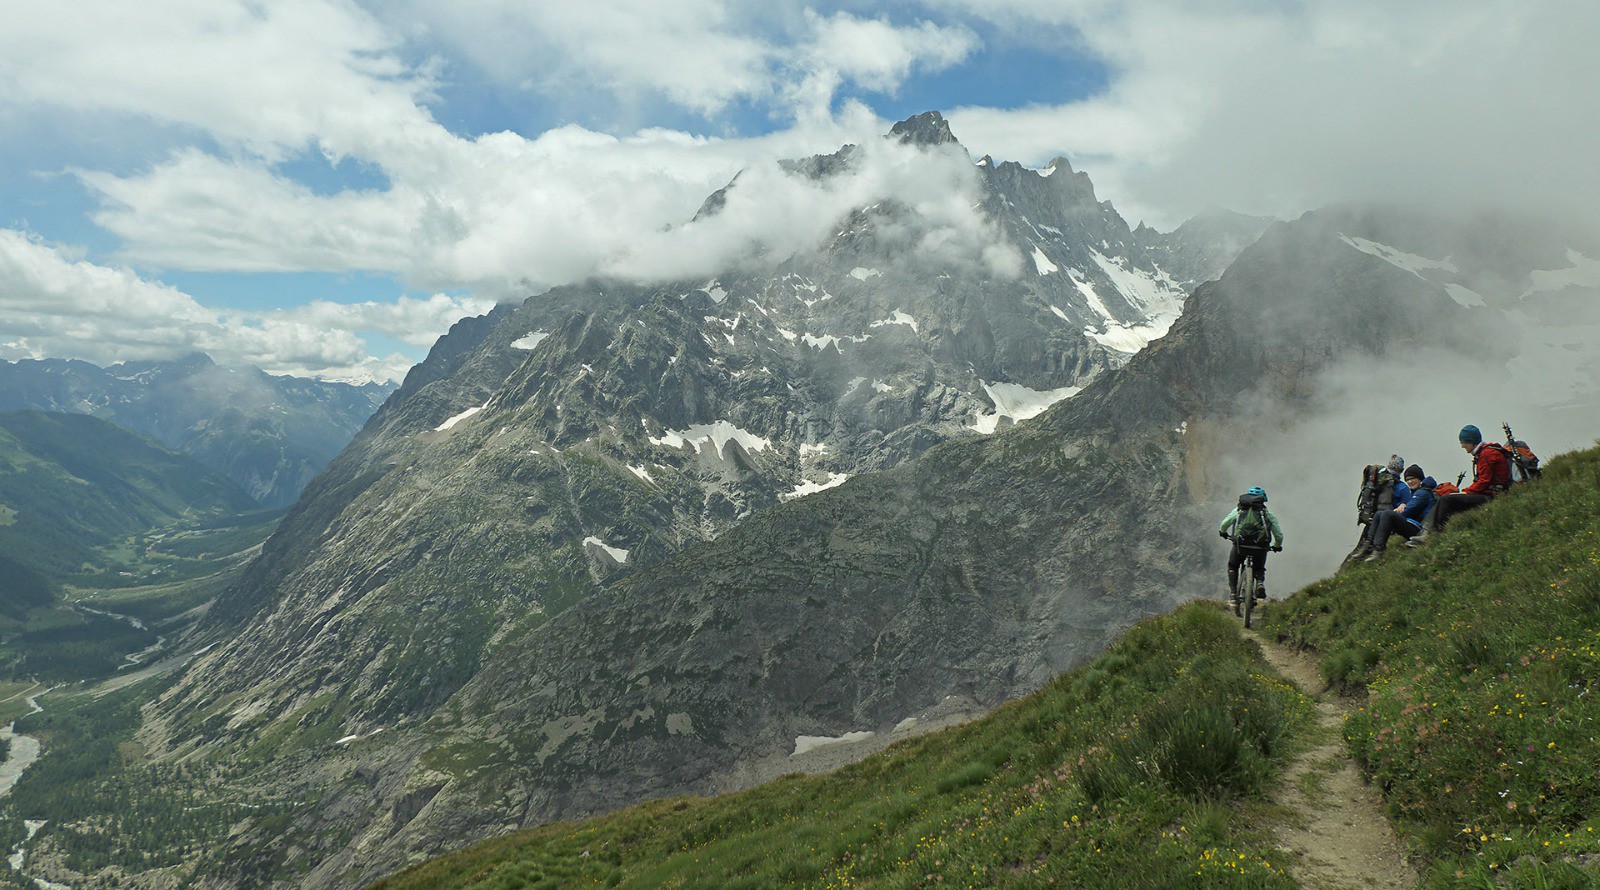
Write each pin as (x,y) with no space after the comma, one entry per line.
(1143,769)
(1479,656)
(1480,659)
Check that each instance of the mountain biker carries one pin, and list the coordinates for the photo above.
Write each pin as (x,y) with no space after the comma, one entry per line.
(1255,530)
(1405,519)
(1491,474)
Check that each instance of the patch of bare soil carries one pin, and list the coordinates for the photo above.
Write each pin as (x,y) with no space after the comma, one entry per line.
(1335,825)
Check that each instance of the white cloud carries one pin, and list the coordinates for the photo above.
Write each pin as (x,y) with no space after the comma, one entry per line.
(1281,107)
(267,78)
(775,214)
(412,321)
(53,305)
(700,54)
(502,214)
(871,53)
(1260,107)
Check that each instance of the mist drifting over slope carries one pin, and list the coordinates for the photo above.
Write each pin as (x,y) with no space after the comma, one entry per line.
(1519,343)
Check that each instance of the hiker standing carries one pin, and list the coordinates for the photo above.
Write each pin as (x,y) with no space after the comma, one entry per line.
(1491,474)
(1255,531)
(1406,519)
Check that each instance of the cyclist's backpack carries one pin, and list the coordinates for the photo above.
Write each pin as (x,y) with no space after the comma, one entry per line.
(1377,493)
(1444,488)
(1251,529)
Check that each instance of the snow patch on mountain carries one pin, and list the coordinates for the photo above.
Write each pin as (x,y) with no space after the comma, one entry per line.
(1398,258)
(1042,263)
(616,553)
(1019,403)
(1155,294)
(530,341)
(715,435)
(1464,296)
(1128,338)
(1087,290)
(808,487)
(821,343)
(460,417)
(898,317)
(862,273)
(805,743)
(1583,272)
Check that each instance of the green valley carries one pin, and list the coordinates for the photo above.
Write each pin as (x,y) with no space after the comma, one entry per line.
(105,539)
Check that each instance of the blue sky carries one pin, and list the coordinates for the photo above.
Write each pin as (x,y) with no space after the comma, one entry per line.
(322,187)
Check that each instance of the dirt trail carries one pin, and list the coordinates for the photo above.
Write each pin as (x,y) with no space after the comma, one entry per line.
(1335,825)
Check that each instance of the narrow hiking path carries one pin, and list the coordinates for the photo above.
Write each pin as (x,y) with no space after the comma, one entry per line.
(1335,825)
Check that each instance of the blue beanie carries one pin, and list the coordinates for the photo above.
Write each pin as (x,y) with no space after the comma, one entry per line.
(1471,435)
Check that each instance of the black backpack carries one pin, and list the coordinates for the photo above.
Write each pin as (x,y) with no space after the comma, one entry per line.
(1251,529)
(1377,493)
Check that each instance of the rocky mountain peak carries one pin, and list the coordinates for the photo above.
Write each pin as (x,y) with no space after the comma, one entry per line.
(927,128)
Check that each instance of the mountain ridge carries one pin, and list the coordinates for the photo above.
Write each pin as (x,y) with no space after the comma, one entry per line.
(269,434)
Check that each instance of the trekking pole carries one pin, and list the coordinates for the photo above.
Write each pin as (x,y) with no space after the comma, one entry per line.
(1518,459)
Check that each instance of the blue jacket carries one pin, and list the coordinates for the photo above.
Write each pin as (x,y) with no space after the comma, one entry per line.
(1402,495)
(1420,503)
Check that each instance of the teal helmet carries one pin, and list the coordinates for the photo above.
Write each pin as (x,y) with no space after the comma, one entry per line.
(1257,491)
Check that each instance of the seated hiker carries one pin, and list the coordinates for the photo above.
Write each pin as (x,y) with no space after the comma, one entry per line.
(1372,506)
(1405,519)
(1255,530)
(1491,474)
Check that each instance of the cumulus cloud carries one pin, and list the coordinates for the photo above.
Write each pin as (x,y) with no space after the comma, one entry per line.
(700,54)
(267,78)
(55,305)
(1276,108)
(503,214)
(871,53)
(773,214)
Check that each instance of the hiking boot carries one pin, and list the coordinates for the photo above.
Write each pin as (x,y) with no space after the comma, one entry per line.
(1417,540)
(1374,557)
(1261,594)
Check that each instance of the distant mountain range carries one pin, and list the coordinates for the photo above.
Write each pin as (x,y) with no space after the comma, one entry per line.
(271,435)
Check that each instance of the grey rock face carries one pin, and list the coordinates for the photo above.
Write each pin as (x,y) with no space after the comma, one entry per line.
(270,435)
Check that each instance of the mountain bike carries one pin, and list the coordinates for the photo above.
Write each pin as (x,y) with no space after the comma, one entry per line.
(1244,590)
(1243,595)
